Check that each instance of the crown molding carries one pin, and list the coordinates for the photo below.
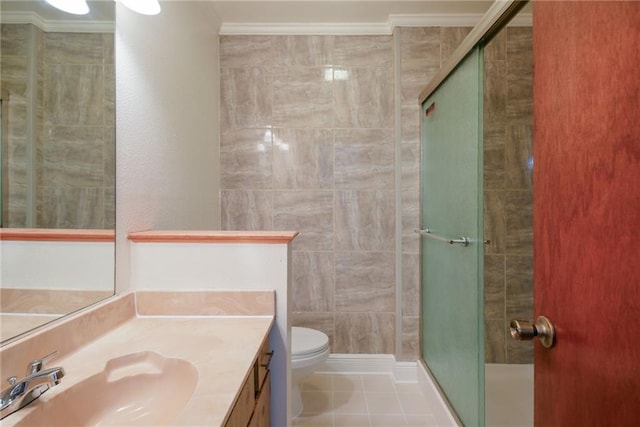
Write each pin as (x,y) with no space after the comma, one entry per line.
(50,26)
(279,29)
(361,28)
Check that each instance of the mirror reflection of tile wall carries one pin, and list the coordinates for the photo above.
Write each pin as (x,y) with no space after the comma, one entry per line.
(508,192)
(61,128)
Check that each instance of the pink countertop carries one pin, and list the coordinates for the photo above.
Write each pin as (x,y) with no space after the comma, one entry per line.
(219,332)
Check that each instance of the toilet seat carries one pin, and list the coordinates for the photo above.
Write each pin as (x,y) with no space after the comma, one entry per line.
(306,343)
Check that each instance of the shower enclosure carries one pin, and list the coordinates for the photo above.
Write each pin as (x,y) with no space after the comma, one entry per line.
(451,251)
(477,163)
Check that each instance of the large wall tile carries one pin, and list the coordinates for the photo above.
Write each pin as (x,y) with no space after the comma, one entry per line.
(308,211)
(303,159)
(241,51)
(364,99)
(365,220)
(313,281)
(67,207)
(494,287)
(364,159)
(495,96)
(494,167)
(519,221)
(416,74)
(365,333)
(494,221)
(308,51)
(495,349)
(519,156)
(419,43)
(410,285)
(74,157)
(14,41)
(14,68)
(363,51)
(73,48)
(303,97)
(246,210)
(410,340)
(246,94)
(247,158)
(74,95)
(365,281)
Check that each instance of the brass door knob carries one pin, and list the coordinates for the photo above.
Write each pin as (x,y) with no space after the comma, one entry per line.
(525,330)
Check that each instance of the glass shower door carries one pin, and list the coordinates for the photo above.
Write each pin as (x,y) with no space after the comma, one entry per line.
(451,242)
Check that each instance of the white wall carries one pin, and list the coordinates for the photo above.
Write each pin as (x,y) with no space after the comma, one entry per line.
(228,266)
(167,125)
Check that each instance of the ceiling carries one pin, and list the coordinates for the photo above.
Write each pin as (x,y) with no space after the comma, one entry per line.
(278,12)
(333,11)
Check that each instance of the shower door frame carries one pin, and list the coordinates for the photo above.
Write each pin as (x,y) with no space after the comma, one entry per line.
(494,20)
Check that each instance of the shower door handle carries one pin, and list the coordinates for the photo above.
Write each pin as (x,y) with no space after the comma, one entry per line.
(543,329)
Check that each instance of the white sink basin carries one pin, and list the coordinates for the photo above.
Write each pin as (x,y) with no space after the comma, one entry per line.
(137,389)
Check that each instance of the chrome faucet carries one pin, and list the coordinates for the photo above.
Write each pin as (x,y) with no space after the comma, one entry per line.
(22,392)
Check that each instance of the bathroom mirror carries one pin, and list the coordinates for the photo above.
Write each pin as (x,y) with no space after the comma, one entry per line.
(57,162)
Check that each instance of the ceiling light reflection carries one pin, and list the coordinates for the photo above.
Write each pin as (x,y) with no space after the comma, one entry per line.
(75,7)
(145,7)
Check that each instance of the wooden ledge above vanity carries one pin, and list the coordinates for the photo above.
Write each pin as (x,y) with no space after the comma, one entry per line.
(56,235)
(178,236)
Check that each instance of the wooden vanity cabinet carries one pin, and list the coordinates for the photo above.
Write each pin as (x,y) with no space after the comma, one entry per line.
(252,407)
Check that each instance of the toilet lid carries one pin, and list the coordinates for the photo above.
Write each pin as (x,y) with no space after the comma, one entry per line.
(305,341)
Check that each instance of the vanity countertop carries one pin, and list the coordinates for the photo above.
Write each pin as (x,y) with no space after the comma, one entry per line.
(220,342)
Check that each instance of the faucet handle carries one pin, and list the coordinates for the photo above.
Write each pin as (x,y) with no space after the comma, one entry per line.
(38,364)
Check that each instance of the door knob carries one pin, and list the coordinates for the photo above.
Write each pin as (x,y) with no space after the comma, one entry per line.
(525,330)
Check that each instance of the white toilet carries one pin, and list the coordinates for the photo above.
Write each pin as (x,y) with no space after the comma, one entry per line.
(309,348)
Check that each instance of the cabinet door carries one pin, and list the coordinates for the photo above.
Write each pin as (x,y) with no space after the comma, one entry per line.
(244,405)
(262,414)
(262,368)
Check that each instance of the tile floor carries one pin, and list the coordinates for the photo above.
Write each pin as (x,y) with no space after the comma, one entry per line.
(371,400)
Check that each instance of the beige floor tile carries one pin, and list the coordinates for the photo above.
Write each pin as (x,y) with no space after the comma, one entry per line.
(347,383)
(345,402)
(316,402)
(383,420)
(414,404)
(378,383)
(383,403)
(408,388)
(364,401)
(318,382)
(421,421)
(313,420)
(351,420)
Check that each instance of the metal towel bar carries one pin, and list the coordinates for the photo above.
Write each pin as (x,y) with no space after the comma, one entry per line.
(463,241)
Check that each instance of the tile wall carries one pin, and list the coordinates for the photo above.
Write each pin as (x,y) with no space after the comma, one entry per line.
(308,142)
(508,192)
(73,126)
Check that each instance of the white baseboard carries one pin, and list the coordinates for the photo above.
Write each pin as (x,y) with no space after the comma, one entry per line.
(359,364)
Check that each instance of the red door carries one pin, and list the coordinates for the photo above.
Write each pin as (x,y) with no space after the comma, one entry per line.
(587,211)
